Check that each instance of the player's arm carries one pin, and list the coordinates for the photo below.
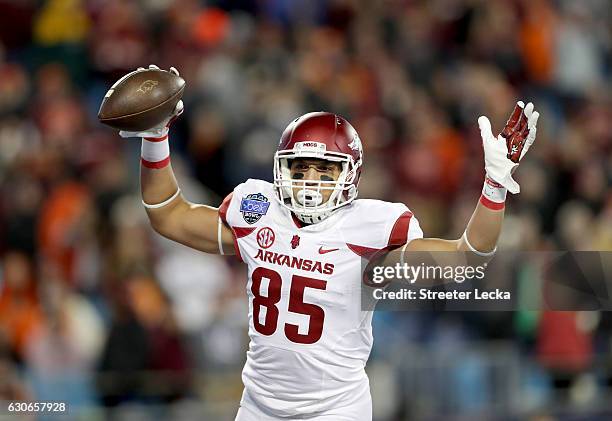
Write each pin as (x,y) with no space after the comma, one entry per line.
(170,214)
(196,226)
(502,156)
(482,230)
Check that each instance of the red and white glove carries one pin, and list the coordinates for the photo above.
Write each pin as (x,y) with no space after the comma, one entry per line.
(155,152)
(504,152)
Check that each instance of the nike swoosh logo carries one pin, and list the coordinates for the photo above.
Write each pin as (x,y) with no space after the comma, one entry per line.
(323,251)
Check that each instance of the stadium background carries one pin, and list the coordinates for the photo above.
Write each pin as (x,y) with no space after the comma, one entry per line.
(99,311)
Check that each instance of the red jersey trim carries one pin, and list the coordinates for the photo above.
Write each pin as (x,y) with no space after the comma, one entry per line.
(397,238)
(399,232)
(236,232)
(224,207)
(239,232)
(362,251)
(243,231)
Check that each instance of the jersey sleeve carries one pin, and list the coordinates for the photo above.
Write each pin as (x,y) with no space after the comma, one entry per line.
(246,204)
(405,229)
(227,214)
(224,208)
(414,230)
(229,211)
(375,226)
(242,208)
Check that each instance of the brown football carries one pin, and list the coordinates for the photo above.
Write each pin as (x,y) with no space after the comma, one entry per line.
(141,99)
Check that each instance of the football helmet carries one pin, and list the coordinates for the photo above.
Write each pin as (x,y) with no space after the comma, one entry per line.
(324,136)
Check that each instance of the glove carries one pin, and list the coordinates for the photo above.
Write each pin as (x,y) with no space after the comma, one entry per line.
(504,152)
(162,128)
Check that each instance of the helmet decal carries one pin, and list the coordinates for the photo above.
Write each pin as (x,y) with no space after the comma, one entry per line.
(355,143)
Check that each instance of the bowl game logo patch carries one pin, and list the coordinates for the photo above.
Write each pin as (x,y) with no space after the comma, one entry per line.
(253,207)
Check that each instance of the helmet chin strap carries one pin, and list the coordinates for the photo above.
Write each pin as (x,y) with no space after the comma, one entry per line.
(312,218)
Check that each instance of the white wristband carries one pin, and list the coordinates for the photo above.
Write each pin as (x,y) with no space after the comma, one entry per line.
(493,194)
(162,204)
(155,152)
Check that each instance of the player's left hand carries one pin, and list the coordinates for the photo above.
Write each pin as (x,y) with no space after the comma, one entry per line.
(504,152)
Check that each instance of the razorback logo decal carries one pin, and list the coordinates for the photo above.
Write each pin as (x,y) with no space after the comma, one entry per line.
(147,86)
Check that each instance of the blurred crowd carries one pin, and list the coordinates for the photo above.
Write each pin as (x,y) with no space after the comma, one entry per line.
(98,310)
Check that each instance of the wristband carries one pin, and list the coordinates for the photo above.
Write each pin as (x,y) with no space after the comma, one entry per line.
(473,250)
(155,152)
(493,195)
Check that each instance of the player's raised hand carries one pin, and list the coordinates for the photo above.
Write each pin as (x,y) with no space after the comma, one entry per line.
(504,152)
(144,102)
(161,129)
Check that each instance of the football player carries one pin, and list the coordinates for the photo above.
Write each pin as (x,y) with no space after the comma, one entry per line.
(303,237)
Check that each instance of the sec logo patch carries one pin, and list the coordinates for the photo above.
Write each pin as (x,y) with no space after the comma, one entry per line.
(265,237)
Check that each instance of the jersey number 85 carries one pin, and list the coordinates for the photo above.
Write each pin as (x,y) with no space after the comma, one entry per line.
(296,305)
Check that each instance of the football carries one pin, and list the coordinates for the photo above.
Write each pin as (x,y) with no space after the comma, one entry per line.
(141,99)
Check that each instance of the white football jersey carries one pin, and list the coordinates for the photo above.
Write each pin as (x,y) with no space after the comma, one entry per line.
(309,337)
